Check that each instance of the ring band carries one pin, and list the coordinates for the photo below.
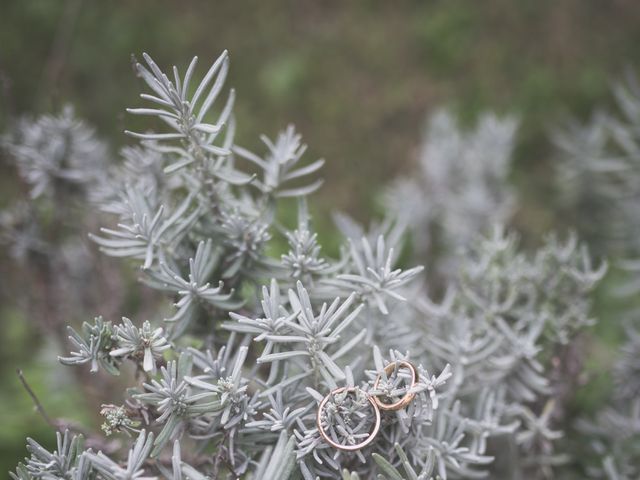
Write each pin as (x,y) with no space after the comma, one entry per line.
(349,448)
(408,398)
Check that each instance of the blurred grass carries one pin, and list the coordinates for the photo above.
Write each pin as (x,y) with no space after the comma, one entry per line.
(21,348)
(357,79)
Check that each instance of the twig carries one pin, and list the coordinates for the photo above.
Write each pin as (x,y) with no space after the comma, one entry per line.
(61,425)
(217,461)
(35,399)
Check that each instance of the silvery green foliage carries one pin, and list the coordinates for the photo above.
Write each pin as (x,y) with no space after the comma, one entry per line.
(109,469)
(55,151)
(185,114)
(614,433)
(254,343)
(94,346)
(66,462)
(21,232)
(195,288)
(245,237)
(304,261)
(72,462)
(102,345)
(144,229)
(614,438)
(175,400)
(308,334)
(599,170)
(503,298)
(410,473)
(374,277)
(537,441)
(145,343)
(502,313)
(60,159)
(281,165)
(460,187)
(626,371)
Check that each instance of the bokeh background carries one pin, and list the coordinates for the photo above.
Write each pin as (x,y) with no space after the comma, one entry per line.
(356,78)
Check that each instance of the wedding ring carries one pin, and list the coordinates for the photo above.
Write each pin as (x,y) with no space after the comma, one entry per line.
(408,397)
(333,443)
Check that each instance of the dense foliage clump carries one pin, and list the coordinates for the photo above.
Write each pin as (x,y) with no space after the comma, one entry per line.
(229,373)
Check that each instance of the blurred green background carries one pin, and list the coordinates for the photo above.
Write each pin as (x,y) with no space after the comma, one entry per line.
(357,79)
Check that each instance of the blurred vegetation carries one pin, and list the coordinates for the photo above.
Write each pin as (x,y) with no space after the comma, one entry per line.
(357,78)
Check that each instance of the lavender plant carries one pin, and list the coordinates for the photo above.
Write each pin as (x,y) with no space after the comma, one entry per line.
(599,170)
(600,164)
(230,374)
(460,186)
(60,161)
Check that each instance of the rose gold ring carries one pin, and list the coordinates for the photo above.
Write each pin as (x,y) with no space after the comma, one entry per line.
(330,441)
(408,398)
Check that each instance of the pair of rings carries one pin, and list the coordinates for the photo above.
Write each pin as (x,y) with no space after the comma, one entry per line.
(376,403)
